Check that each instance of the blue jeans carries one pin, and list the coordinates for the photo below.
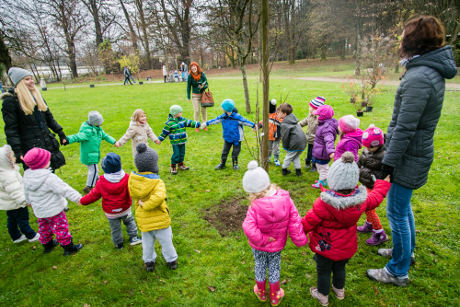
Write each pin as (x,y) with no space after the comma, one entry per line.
(401,218)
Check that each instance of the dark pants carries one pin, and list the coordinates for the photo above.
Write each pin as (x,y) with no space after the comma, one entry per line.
(127,79)
(19,218)
(226,150)
(309,154)
(178,154)
(324,267)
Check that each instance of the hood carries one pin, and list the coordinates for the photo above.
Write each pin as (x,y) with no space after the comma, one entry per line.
(442,60)
(273,208)
(290,119)
(116,187)
(142,184)
(8,93)
(332,122)
(356,136)
(35,178)
(6,155)
(344,202)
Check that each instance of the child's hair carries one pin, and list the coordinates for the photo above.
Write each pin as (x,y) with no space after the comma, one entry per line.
(261,194)
(286,108)
(136,115)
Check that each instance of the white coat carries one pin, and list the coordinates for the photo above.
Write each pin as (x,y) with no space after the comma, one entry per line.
(11,187)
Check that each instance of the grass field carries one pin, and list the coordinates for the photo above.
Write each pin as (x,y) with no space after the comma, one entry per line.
(217,269)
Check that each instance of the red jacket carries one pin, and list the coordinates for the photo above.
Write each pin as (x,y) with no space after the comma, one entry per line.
(331,223)
(115,195)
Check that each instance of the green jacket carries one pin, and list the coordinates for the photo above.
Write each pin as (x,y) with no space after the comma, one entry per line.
(193,85)
(90,138)
(175,128)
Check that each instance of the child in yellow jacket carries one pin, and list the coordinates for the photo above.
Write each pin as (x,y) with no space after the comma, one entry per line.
(152,215)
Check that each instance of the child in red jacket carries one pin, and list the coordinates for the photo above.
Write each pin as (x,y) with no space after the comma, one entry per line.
(331,224)
(116,202)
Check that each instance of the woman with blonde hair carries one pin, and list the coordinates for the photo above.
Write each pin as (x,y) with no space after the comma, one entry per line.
(28,119)
(196,84)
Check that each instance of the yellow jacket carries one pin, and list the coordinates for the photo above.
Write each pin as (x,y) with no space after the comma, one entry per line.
(154,213)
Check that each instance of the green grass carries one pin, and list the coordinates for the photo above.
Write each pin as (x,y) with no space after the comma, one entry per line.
(101,275)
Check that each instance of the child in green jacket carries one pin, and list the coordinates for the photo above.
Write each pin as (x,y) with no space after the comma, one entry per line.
(90,136)
(175,128)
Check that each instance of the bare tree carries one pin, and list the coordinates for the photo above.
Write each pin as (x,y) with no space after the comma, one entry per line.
(143,25)
(103,17)
(132,32)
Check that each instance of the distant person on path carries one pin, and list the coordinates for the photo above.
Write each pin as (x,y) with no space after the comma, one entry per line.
(270,218)
(28,119)
(196,84)
(409,140)
(165,73)
(184,70)
(128,75)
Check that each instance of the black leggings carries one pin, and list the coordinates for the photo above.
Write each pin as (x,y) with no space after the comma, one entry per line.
(226,150)
(324,267)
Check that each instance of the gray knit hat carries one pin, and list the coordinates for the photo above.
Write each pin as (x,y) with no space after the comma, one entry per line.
(344,173)
(95,118)
(146,159)
(16,74)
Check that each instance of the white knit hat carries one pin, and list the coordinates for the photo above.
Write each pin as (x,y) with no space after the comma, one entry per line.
(256,179)
(344,173)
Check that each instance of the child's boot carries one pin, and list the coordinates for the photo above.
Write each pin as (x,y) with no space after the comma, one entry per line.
(71,248)
(277,161)
(307,163)
(378,237)
(221,165)
(235,164)
(182,166)
(172,265)
(48,247)
(298,172)
(339,293)
(260,290)
(367,227)
(276,293)
(173,169)
(317,185)
(322,299)
(149,266)
(285,171)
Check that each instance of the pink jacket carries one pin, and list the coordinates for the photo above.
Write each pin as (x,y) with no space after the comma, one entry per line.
(273,216)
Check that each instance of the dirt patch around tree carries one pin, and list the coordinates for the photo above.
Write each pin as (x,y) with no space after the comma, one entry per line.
(227,216)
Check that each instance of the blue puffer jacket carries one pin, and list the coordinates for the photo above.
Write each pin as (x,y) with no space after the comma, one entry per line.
(417,108)
(232,126)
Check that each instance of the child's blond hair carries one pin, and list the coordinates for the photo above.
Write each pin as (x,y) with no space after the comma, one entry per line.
(262,194)
(136,115)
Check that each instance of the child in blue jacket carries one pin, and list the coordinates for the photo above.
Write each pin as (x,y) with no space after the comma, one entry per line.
(232,125)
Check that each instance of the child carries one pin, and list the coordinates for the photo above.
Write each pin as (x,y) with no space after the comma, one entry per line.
(12,198)
(152,214)
(139,131)
(294,140)
(370,163)
(271,216)
(350,137)
(175,128)
(331,224)
(116,202)
(90,136)
(274,135)
(324,145)
(232,129)
(312,122)
(47,194)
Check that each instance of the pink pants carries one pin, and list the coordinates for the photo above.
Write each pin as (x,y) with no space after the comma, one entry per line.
(57,225)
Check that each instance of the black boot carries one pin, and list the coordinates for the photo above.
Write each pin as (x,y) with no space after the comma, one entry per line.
(313,167)
(71,248)
(149,266)
(49,246)
(221,165)
(172,265)
(298,172)
(235,164)
(285,171)
(308,163)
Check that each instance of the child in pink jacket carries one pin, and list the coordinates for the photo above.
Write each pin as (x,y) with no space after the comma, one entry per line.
(269,218)
(349,137)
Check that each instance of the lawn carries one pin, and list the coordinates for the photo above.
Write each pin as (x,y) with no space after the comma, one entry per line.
(214,268)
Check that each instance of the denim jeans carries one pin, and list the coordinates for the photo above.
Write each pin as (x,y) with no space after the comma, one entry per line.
(19,218)
(402,225)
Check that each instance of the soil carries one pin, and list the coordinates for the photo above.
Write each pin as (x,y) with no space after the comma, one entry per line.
(227,216)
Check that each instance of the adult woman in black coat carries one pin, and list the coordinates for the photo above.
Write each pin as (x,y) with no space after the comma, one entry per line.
(28,119)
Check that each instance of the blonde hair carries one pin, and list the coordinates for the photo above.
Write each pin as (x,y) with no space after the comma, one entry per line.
(136,115)
(262,194)
(28,99)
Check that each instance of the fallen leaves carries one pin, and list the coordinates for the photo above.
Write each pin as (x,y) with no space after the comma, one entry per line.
(211,288)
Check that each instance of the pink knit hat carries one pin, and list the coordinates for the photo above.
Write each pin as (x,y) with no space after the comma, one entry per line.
(315,103)
(324,112)
(348,123)
(37,158)
(373,137)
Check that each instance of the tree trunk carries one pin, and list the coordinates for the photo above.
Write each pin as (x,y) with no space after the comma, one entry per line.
(97,22)
(5,58)
(144,38)
(246,89)
(266,78)
(132,33)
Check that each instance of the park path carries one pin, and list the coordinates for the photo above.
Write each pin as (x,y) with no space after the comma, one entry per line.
(449,86)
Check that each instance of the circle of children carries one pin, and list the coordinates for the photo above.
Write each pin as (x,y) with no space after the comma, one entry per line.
(330,224)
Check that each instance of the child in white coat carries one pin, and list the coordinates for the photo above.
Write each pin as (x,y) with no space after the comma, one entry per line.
(47,194)
(12,198)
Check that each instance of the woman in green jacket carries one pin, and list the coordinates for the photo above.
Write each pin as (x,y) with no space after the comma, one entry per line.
(196,84)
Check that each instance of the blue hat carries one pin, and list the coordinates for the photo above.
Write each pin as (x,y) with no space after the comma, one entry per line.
(228,105)
(111,163)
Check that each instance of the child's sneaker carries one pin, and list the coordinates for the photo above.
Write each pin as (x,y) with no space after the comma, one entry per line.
(367,227)
(173,169)
(20,239)
(172,265)
(134,241)
(322,299)
(197,129)
(119,245)
(260,290)
(339,293)
(182,167)
(377,238)
(277,162)
(36,238)
(149,266)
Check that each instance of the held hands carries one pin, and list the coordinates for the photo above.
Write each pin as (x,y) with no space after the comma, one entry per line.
(64,141)
(203,125)
(331,156)
(117,144)
(271,239)
(387,178)
(158,142)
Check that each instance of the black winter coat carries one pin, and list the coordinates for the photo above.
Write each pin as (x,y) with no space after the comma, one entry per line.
(417,108)
(23,132)
(370,163)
